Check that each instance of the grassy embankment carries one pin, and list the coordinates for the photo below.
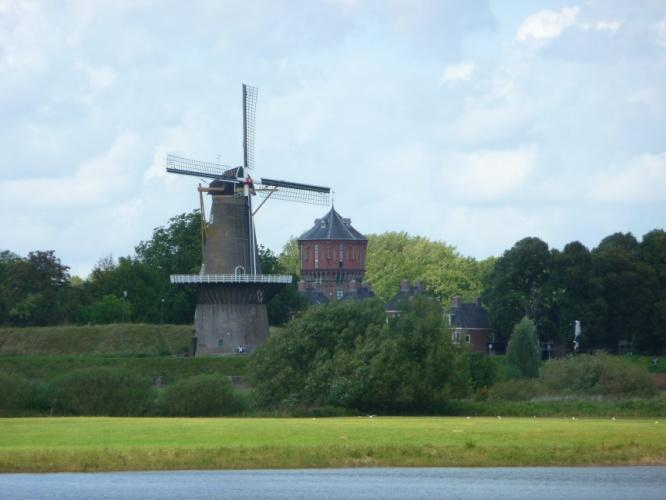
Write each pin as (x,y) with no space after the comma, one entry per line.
(102,444)
(42,353)
(129,340)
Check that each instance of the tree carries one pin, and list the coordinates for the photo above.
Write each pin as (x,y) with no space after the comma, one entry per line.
(287,301)
(579,296)
(652,252)
(393,256)
(34,291)
(346,354)
(519,285)
(627,286)
(523,356)
(144,285)
(174,249)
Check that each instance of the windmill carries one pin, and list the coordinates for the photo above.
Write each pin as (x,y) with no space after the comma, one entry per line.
(231,292)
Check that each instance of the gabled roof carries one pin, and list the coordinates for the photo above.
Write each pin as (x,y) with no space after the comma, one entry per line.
(332,226)
(471,315)
(407,292)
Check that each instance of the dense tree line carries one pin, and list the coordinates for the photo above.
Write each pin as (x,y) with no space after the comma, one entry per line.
(38,290)
(616,290)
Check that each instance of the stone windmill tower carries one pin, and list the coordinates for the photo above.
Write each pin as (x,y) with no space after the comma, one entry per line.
(230,289)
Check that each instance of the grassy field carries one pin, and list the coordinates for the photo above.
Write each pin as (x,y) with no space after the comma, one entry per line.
(101,444)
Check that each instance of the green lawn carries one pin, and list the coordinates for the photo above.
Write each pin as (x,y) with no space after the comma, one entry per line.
(97,444)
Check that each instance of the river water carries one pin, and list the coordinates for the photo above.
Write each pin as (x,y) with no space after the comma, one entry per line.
(569,483)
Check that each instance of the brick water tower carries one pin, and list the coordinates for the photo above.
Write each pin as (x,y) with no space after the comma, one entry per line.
(332,257)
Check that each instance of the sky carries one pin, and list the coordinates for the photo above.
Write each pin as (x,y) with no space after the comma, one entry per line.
(473,123)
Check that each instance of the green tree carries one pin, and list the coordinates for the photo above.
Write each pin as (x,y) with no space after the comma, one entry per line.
(519,285)
(394,256)
(145,287)
(627,286)
(523,356)
(579,296)
(34,291)
(652,252)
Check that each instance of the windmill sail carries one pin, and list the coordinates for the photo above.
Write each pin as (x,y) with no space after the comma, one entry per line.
(249,115)
(186,166)
(293,191)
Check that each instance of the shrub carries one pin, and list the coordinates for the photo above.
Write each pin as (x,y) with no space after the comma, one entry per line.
(16,393)
(201,396)
(516,390)
(103,391)
(599,374)
(482,370)
(522,354)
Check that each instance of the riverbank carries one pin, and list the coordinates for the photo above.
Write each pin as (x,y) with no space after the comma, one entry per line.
(118,444)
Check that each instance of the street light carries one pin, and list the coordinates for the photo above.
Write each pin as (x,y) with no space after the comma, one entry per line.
(162,311)
(124,305)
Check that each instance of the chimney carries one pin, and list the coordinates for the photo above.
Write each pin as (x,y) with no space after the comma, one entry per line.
(404,285)
(457,301)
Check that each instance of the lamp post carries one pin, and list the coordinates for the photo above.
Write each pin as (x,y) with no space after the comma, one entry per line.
(124,305)
(162,311)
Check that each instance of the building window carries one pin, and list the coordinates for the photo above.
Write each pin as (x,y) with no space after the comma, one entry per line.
(306,250)
(316,256)
(220,342)
(353,253)
(339,294)
(341,252)
(455,337)
(328,252)
(468,339)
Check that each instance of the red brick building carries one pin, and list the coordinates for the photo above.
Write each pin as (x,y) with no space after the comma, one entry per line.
(332,257)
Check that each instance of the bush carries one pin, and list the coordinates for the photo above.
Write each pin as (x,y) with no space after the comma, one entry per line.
(482,370)
(201,396)
(522,355)
(516,390)
(599,374)
(103,391)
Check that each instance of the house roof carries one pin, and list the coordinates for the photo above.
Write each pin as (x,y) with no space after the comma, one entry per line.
(361,293)
(470,315)
(407,292)
(332,226)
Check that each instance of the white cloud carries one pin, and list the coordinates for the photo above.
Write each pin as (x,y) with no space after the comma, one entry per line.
(461,72)
(660,29)
(608,26)
(641,181)
(95,182)
(101,77)
(488,176)
(547,24)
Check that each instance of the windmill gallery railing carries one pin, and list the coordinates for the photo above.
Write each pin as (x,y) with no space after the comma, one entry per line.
(185,279)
